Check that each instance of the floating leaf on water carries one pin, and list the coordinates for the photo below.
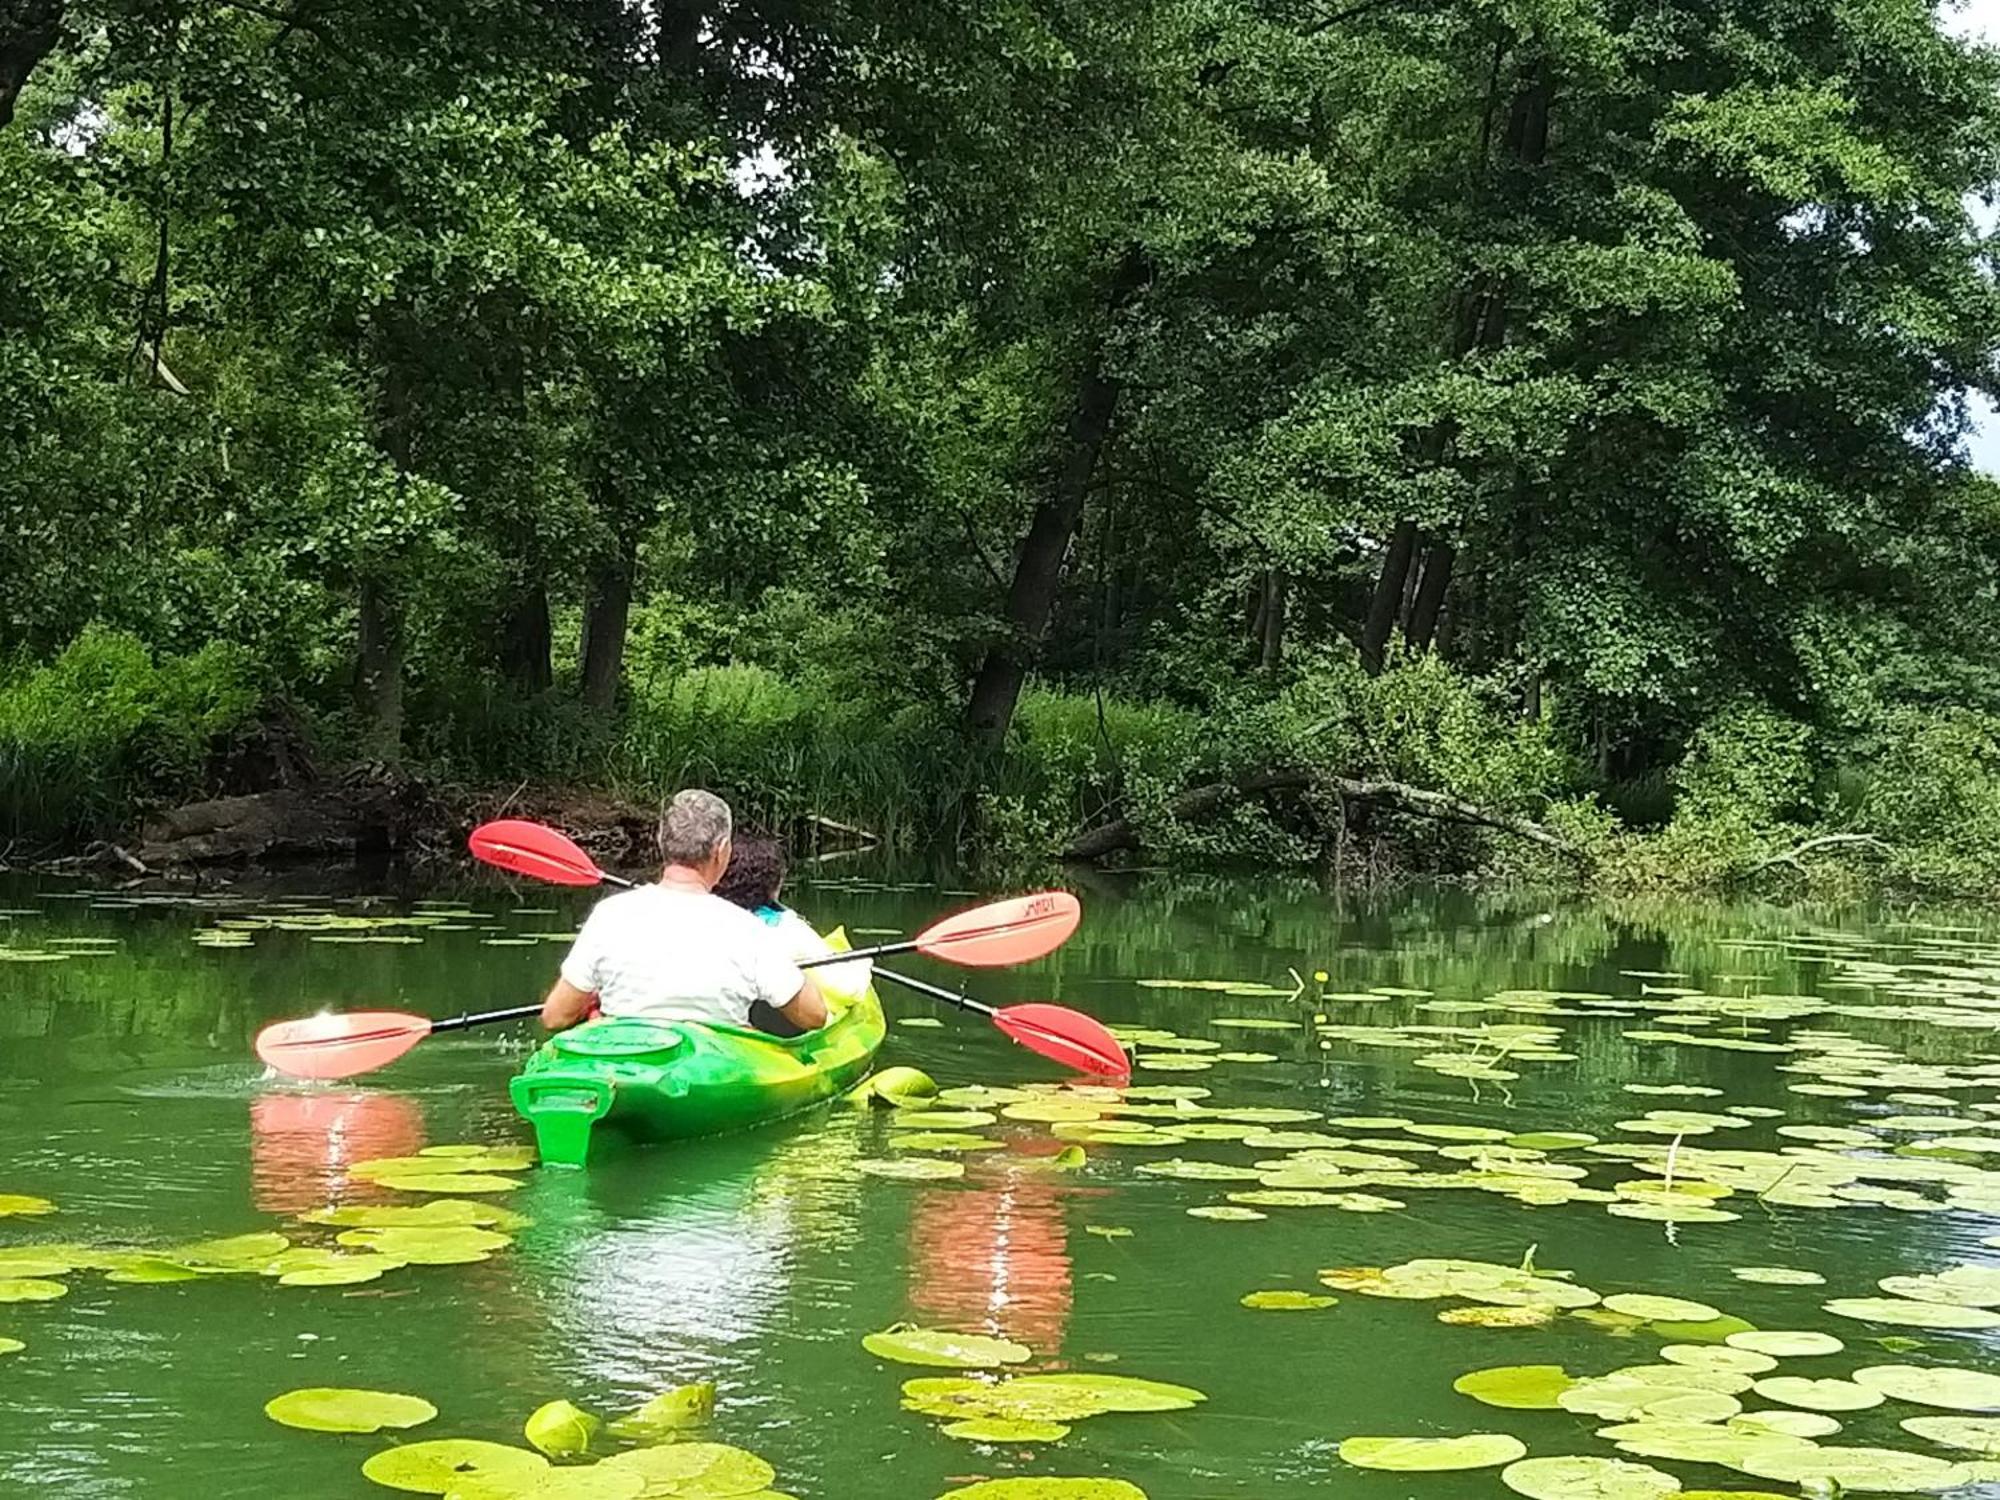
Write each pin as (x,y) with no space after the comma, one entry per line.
(1498,1317)
(1785,1343)
(1417,1455)
(1005,1430)
(1226,1212)
(1108,1231)
(1801,1424)
(561,1429)
(35,1261)
(342,1409)
(24,1205)
(1287,1301)
(925,1023)
(242,1252)
(1818,1395)
(1777,1276)
(1198,1171)
(344,1270)
(1552,1140)
(1047,1489)
(910,1168)
(1718,1357)
(667,1414)
(448,1183)
(1879,1470)
(432,1468)
(150,1270)
(695,1469)
(1901,1312)
(1966,1286)
(911,1345)
(1946,1386)
(1052,1111)
(439,1213)
(1586,1479)
(1661,1309)
(11,1346)
(30,1289)
(943,1140)
(1517,1387)
(1979,1435)
(922,1118)
(1123,1393)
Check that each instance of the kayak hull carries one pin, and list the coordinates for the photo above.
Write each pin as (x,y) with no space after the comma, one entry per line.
(681,1080)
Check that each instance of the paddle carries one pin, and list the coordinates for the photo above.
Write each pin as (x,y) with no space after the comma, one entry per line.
(1014,931)
(359,1041)
(1002,932)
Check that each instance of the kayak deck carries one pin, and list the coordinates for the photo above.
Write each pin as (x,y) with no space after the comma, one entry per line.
(677,1080)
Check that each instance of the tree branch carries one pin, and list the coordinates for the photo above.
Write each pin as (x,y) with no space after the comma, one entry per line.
(1795,856)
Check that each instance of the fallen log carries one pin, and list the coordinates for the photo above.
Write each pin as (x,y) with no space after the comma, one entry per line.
(1795,856)
(337,818)
(1206,800)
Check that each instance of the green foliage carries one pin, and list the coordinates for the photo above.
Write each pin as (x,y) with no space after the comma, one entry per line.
(107,723)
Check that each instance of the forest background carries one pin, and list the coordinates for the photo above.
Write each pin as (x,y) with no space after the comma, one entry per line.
(1497,437)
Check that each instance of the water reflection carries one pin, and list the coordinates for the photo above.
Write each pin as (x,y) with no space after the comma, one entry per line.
(995,1260)
(301,1143)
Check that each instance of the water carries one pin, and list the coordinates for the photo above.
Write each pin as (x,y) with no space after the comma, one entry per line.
(127,1096)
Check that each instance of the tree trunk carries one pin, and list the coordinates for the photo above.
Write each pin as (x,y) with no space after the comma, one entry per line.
(29,31)
(1388,600)
(1038,569)
(525,643)
(378,677)
(606,612)
(1272,655)
(1430,595)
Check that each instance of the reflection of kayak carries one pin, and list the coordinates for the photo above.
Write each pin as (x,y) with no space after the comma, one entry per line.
(672,1080)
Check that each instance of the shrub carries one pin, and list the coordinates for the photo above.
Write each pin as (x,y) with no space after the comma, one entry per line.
(106,724)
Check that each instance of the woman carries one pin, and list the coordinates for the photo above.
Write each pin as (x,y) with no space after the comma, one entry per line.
(755,875)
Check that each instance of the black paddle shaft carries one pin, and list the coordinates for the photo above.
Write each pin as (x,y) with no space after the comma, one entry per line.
(486,1018)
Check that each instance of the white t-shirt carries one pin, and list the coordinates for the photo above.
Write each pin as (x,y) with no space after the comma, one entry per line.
(680,955)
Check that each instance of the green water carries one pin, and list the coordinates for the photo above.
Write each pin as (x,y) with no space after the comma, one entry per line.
(128,1098)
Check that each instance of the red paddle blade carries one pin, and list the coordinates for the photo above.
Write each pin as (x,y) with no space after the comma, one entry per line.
(339,1046)
(532,850)
(1068,1036)
(1005,932)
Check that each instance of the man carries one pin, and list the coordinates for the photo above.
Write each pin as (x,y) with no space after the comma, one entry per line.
(671,951)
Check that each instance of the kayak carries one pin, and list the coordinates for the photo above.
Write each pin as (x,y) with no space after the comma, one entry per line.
(680,1080)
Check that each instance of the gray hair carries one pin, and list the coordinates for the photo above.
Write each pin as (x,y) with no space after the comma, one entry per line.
(694,826)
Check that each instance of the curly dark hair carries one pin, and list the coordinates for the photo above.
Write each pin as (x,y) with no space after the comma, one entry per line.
(755,874)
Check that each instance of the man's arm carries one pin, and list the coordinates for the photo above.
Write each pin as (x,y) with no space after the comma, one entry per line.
(567,1005)
(807,1009)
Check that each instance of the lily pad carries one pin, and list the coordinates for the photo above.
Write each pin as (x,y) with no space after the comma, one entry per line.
(1534,1316)
(344,1270)
(1286,1301)
(1946,1386)
(420,1246)
(562,1429)
(1718,1357)
(1047,1489)
(1777,1276)
(1785,1343)
(1005,1430)
(663,1418)
(432,1468)
(1517,1387)
(11,1346)
(24,1205)
(1116,1392)
(1226,1212)
(1406,1455)
(953,1351)
(1578,1478)
(910,1168)
(1661,1309)
(1979,1435)
(31,1289)
(1877,1470)
(1818,1395)
(342,1409)
(447,1183)
(696,1469)
(1904,1313)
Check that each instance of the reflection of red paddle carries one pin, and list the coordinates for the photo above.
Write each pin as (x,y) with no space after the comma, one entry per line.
(1011,931)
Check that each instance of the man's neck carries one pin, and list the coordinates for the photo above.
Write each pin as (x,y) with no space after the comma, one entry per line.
(683,878)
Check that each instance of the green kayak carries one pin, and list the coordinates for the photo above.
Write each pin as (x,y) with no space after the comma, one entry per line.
(674,1080)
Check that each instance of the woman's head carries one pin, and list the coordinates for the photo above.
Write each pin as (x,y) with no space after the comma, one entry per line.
(756,872)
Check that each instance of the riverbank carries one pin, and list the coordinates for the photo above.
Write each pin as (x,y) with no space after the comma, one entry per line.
(118,756)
